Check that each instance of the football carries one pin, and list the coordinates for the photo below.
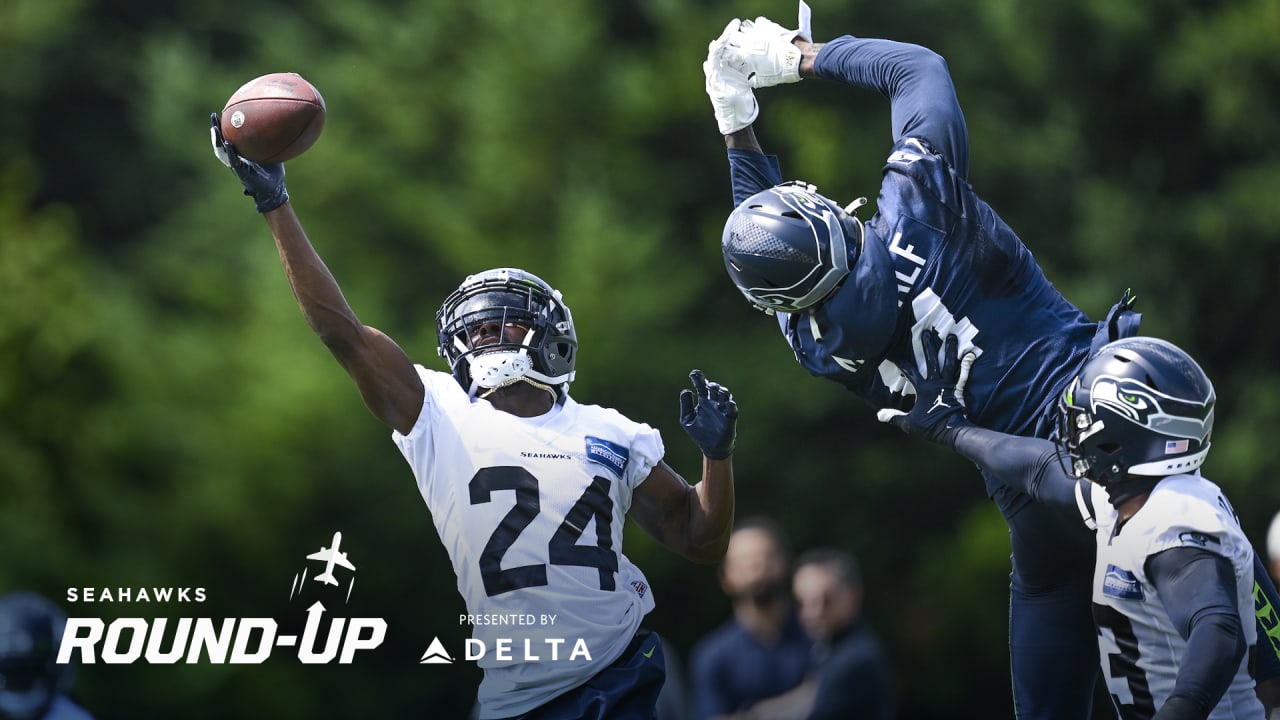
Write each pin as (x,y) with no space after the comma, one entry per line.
(273,118)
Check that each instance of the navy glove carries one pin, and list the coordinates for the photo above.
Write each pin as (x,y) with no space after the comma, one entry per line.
(263,183)
(710,416)
(939,411)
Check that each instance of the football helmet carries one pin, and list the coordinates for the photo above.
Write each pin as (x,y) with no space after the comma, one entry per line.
(501,298)
(30,634)
(787,248)
(1140,406)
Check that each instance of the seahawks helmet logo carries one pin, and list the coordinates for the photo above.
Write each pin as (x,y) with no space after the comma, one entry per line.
(1142,405)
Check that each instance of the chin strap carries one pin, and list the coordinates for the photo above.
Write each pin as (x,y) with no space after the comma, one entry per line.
(541,386)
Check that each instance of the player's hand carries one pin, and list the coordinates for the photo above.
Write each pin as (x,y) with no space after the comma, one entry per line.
(1122,321)
(939,410)
(263,183)
(762,50)
(731,98)
(710,416)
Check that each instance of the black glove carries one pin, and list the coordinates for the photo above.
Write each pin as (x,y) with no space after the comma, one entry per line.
(263,183)
(1122,321)
(710,416)
(939,411)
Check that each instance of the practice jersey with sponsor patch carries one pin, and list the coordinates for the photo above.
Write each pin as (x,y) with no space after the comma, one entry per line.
(1141,649)
(531,511)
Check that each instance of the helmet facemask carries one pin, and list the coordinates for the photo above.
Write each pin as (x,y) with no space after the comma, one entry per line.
(501,301)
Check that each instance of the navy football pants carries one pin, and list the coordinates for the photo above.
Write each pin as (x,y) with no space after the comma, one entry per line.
(626,690)
(1053,644)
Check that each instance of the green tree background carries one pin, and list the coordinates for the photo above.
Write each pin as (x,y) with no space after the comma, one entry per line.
(167,419)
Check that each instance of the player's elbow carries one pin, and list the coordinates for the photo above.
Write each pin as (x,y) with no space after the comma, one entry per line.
(925,60)
(1225,628)
(705,553)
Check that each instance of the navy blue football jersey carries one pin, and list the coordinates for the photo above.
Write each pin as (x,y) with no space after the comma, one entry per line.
(935,256)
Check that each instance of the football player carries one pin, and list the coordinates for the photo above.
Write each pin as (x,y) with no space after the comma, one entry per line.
(32,685)
(1173,585)
(853,299)
(528,489)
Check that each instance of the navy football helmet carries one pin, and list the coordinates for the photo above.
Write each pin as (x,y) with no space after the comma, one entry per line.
(30,634)
(787,248)
(507,296)
(1140,406)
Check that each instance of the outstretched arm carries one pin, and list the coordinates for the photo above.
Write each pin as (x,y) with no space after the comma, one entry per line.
(735,108)
(1030,465)
(695,521)
(386,378)
(916,81)
(757,54)
(692,520)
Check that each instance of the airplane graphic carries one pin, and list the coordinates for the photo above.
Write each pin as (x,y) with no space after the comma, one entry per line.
(331,556)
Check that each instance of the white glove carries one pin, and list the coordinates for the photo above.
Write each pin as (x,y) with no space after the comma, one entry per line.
(730,93)
(763,51)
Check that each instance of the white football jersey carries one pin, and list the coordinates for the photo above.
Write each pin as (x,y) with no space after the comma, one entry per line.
(1141,649)
(531,511)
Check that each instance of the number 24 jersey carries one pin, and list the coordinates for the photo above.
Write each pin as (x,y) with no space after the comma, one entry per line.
(531,512)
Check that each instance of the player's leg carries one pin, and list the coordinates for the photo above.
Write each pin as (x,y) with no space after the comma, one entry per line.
(1053,661)
(626,690)
(1053,645)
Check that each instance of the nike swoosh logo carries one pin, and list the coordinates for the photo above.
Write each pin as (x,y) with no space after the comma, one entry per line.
(648,654)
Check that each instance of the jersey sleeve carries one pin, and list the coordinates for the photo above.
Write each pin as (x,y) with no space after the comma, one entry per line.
(647,451)
(917,82)
(750,172)
(440,393)
(1028,465)
(1195,523)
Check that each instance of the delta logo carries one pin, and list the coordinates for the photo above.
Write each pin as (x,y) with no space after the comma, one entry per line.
(244,640)
(503,648)
(510,650)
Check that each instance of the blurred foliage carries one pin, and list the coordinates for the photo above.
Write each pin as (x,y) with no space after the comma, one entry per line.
(169,420)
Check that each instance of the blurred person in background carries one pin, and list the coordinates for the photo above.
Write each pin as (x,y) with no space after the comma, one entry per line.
(32,685)
(1273,548)
(849,676)
(761,651)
